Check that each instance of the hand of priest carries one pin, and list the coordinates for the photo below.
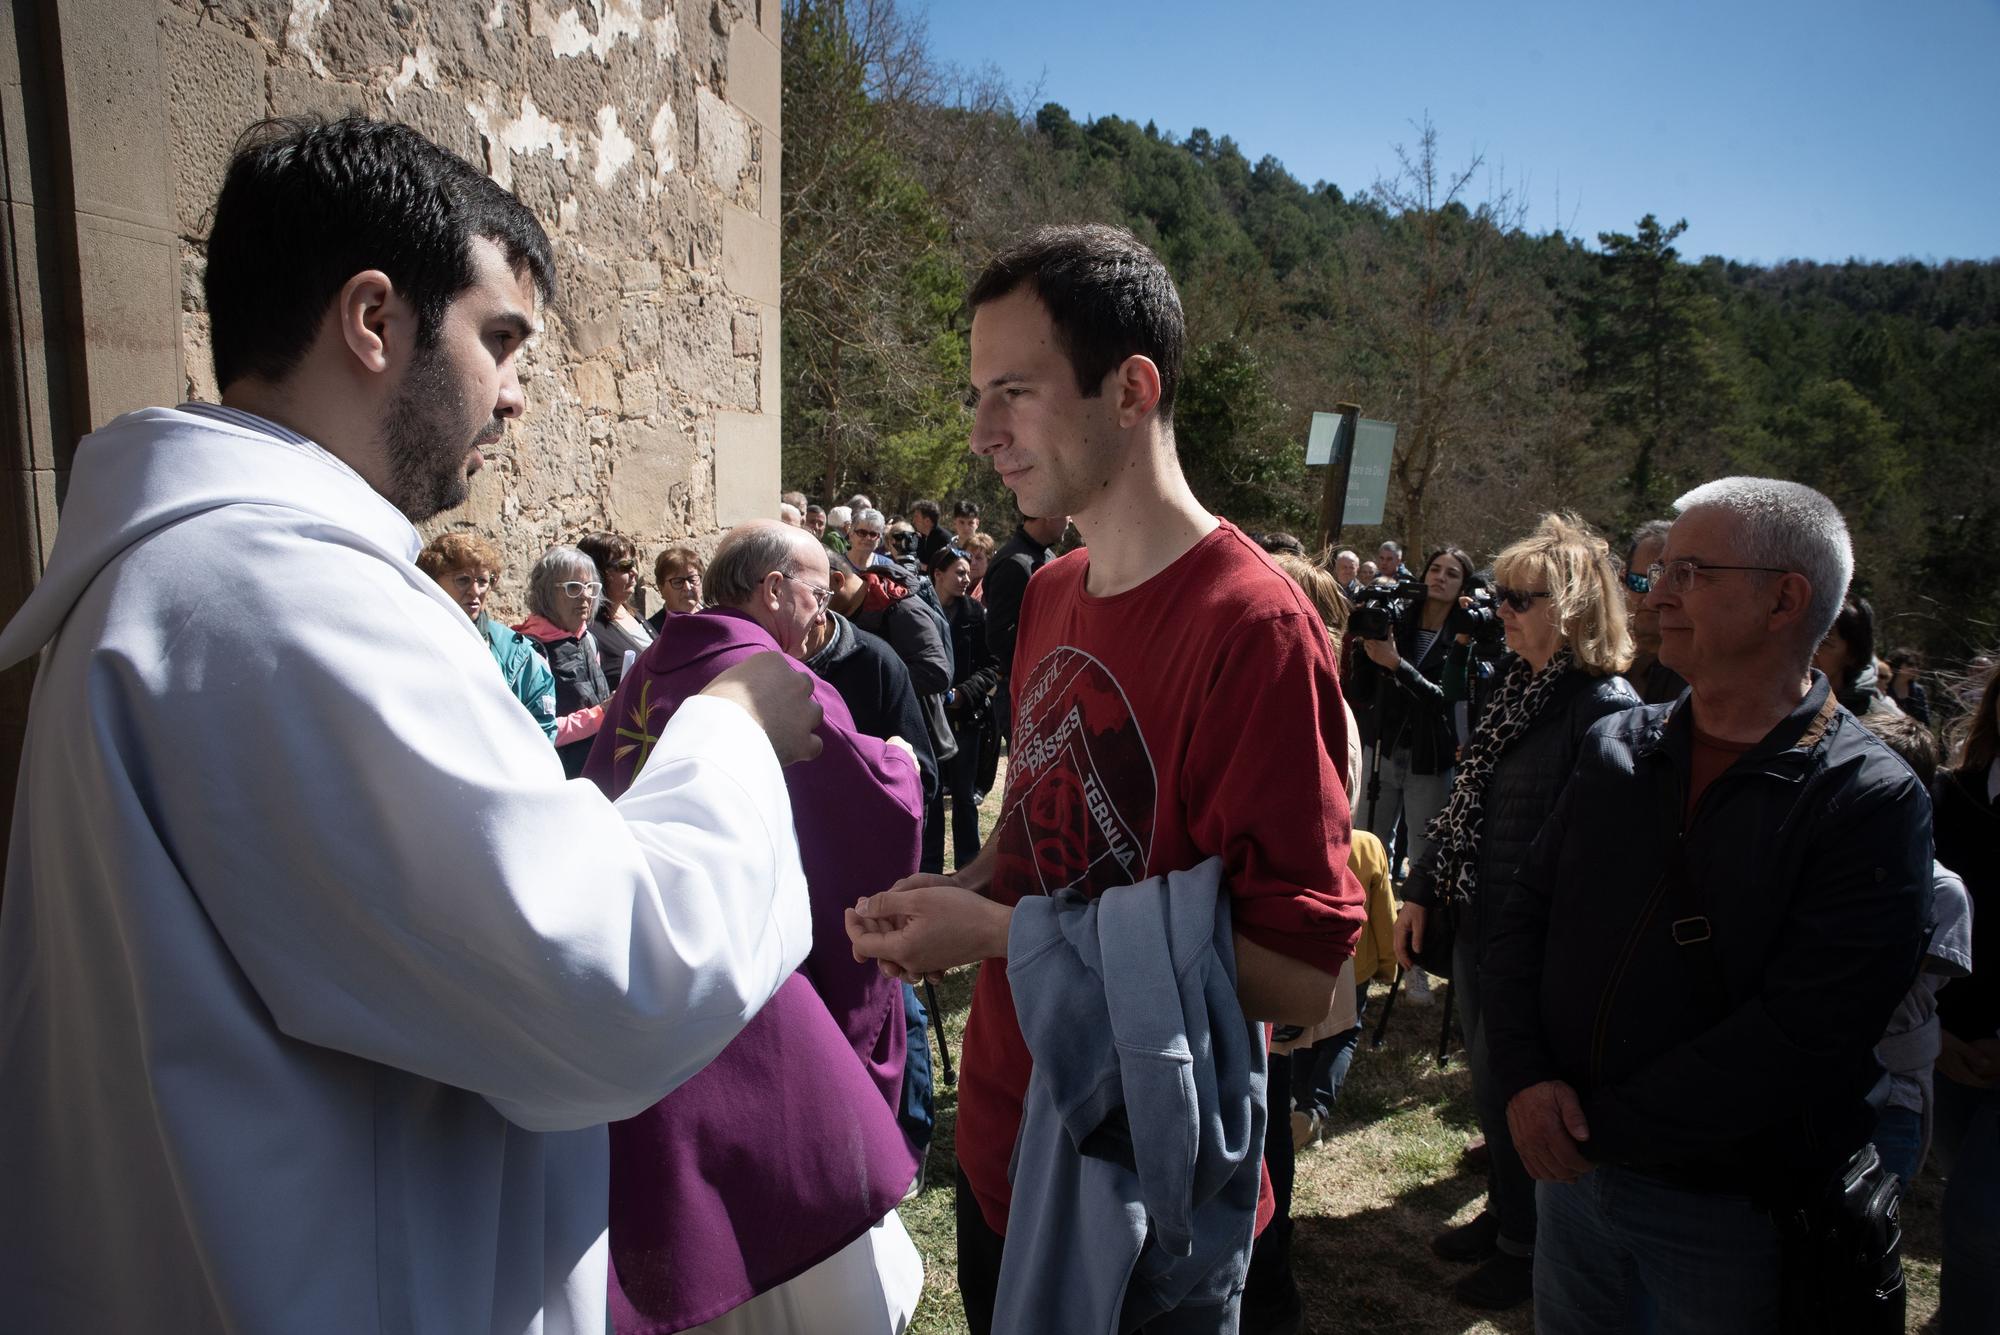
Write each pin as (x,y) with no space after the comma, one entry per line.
(779,697)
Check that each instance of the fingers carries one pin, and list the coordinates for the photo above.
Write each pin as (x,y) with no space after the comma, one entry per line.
(1571,1109)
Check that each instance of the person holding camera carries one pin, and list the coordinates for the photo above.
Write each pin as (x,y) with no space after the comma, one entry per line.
(1559,601)
(1402,633)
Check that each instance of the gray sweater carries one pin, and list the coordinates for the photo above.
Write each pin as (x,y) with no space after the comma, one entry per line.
(1136,1174)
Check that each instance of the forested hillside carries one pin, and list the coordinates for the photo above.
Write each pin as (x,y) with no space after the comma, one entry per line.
(1523,369)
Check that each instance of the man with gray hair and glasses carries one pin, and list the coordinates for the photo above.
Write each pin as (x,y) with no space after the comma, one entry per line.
(1705,944)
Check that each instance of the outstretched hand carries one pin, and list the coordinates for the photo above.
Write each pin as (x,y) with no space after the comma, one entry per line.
(924,925)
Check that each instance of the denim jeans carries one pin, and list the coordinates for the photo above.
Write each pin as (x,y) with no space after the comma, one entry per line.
(1318,1072)
(917,1117)
(1899,1139)
(1414,797)
(1510,1192)
(1967,1141)
(1621,1252)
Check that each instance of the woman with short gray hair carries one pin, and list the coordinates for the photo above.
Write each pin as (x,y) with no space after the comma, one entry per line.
(562,594)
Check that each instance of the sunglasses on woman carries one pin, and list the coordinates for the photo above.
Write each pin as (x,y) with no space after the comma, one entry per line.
(1518,599)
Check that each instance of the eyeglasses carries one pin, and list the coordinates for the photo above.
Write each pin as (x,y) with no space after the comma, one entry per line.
(577,588)
(821,597)
(1637,582)
(685,583)
(1518,599)
(466,581)
(625,567)
(864,532)
(1677,576)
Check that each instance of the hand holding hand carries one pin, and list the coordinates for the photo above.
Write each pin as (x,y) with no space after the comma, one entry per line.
(1549,1129)
(779,698)
(926,924)
(1409,934)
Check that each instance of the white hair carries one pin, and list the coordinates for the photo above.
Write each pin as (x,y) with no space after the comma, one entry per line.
(1789,526)
(789,514)
(749,552)
(840,516)
(557,566)
(870,517)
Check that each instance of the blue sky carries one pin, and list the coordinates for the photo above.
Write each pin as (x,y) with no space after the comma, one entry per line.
(1778,129)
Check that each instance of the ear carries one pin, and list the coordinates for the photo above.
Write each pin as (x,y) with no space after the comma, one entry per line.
(1790,600)
(373,319)
(1136,386)
(774,590)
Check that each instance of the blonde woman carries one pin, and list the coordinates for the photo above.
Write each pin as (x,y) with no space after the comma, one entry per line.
(1561,600)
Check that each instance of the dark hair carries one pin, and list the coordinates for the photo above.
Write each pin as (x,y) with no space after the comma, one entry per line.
(1855,625)
(1397,548)
(1276,543)
(965,510)
(816,510)
(1470,577)
(1911,740)
(606,549)
(1977,736)
(928,509)
(946,556)
(1109,297)
(1906,657)
(308,203)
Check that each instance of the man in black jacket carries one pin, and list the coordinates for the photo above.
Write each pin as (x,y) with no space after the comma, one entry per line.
(1686,988)
(1007,576)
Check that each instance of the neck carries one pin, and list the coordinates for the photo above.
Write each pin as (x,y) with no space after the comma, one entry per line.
(946,600)
(1743,707)
(1539,659)
(326,419)
(1434,613)
(1143,520)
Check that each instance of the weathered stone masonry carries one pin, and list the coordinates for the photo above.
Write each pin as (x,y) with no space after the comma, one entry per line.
(644,133)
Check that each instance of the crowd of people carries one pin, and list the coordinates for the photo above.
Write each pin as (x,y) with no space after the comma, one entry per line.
(370,963)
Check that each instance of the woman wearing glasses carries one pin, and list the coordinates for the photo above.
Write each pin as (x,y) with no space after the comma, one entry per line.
(615,625)
(677,574)
(466,566)
(562,595)
(1561,601)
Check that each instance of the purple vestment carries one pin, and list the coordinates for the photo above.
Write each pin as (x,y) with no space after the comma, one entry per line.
(786,1147)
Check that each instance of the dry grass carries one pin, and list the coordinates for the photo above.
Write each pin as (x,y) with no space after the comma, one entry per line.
(1367,1198)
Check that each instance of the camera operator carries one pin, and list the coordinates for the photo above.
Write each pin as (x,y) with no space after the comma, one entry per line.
(1401,628)
(1559,603)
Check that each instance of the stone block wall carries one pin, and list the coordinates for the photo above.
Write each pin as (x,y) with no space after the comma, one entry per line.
(644,134)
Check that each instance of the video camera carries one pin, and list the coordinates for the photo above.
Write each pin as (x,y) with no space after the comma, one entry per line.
(1481,620)
(1380,608)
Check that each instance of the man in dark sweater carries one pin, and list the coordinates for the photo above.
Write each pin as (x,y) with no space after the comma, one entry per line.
(874,685)
(1007,575)
(1686,987)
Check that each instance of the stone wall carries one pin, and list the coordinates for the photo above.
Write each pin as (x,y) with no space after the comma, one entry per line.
(644,134)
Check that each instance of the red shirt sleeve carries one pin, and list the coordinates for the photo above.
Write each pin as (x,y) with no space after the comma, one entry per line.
(1262,787)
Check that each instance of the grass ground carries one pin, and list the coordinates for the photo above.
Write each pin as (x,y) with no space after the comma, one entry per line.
(1367,1198)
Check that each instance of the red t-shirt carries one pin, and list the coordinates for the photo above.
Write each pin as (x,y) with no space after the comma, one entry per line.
(1195,715)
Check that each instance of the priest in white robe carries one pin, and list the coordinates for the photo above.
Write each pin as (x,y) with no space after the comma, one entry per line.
(318,982)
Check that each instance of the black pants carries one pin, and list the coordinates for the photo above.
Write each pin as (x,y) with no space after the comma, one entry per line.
(979,1251)
(956,780)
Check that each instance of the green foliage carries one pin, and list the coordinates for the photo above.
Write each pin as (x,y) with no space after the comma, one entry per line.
(1523,371)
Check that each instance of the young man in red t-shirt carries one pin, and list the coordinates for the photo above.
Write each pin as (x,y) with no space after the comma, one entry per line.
(1174,696)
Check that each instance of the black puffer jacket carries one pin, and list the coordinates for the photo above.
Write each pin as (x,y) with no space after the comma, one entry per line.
(1968,842)
(1523,790)
(1411,709)
(1741,1060)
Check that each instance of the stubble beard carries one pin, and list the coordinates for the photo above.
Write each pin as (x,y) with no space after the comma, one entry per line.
(426,439)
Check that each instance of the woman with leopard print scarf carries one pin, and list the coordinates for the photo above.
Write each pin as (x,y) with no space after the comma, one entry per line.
(1564,611)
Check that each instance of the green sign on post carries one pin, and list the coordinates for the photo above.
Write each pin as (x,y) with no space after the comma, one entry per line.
(1368,475)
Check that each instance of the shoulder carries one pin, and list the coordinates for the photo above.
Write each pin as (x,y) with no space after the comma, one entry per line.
(1602,696)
